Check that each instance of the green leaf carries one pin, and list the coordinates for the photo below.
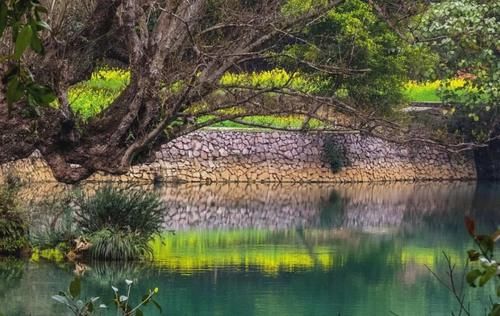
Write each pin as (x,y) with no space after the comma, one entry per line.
(36,44)
(14,90)
(472,276)
(23,40)
(488,274)
(42,94)
(43,25)
(74,287)
(61,299)
(473,255)
(138,313)
(498,291)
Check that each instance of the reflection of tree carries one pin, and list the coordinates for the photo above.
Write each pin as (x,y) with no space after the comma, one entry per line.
(11,273)
(331,212)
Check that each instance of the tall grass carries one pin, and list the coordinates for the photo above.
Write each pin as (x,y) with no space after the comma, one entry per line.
(119,224)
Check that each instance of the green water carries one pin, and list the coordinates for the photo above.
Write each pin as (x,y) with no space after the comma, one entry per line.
(285,250)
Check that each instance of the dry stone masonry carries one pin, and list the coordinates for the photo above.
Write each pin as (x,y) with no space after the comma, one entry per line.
(258,156)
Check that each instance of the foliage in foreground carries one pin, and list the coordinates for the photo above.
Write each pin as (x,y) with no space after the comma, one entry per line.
(484,271)
(485,268)
(122,302)
(119,224)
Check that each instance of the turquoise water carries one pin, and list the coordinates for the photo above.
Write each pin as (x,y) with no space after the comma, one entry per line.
(285,250)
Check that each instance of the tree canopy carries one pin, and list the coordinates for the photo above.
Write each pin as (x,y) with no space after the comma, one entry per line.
(464,35)
(177,54)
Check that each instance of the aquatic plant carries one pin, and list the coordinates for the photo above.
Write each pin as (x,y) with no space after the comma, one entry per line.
(119,223)
(110,244)
(78,307)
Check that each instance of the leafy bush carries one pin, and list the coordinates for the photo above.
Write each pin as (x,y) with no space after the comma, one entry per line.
(119,223)
(13,228)
(13,234)
(53,223)
(8,194)
(333,154)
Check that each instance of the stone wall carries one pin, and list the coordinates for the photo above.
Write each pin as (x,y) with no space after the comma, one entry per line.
(256,156)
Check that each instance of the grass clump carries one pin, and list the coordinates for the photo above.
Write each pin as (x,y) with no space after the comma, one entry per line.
(119,224)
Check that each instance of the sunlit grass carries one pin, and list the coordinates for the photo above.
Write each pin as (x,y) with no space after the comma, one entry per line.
(91,97)
(271,121)
(429,91)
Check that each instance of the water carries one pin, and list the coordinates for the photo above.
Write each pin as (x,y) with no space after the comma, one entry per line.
(308,249)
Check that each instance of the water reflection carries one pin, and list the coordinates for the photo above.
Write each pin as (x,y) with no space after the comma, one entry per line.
(356,249)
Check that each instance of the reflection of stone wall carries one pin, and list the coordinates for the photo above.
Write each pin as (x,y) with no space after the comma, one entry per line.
(391,206)
(271,206)
(364,206)
(233,156)
(377,206)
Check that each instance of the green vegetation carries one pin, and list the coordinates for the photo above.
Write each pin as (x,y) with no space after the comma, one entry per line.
(23,21)
(13,227)
(432,91)
(464,37)
(374,62)
(112,224)
(482,270)
(122,302)
(91,97)
(119,224)
(333,154)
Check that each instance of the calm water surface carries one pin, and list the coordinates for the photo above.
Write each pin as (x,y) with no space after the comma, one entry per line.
(282,250)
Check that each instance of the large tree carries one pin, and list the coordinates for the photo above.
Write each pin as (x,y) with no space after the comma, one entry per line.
(176,51)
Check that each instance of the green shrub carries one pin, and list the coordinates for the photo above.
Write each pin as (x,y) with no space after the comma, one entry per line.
(333,154)
(8,194)
(119,224)
(13,227)
(13,234)
(53,224)
(110,244)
